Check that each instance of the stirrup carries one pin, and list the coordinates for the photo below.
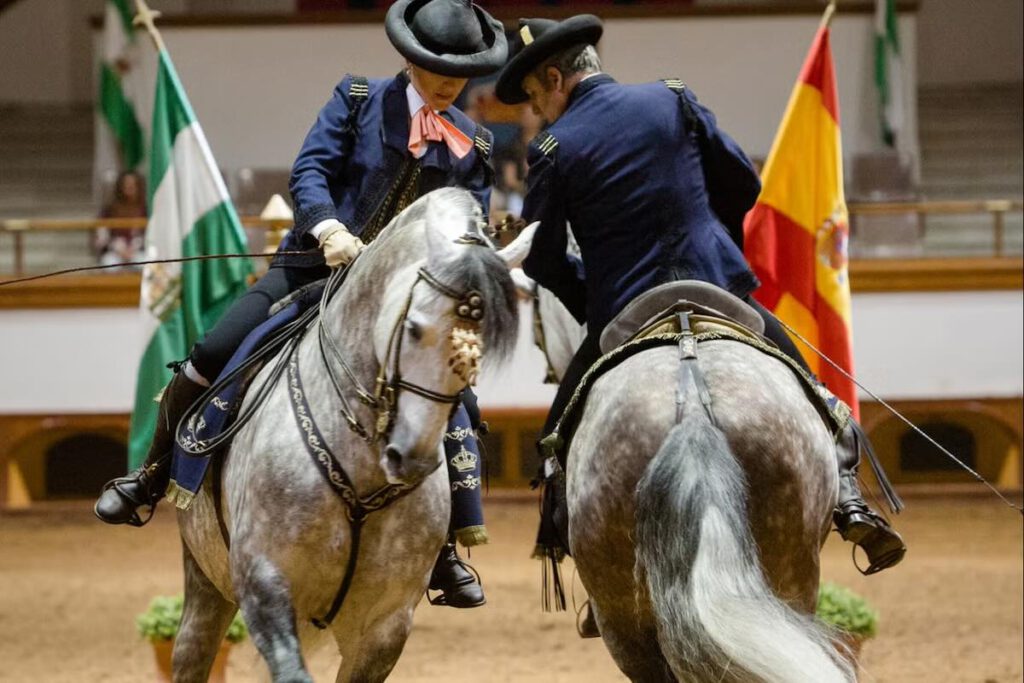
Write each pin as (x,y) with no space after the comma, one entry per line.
(869,531)
(586,623)
(440,600)
(145,474)
(135,520)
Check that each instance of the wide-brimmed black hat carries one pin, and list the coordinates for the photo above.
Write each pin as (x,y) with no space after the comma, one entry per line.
(447,37)
(537,40)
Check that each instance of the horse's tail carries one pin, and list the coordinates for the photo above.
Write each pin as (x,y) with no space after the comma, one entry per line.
(694,549)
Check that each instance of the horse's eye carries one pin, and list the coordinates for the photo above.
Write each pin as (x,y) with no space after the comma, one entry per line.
(414,330)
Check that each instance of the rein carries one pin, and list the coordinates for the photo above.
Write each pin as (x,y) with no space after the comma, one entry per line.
(384,399)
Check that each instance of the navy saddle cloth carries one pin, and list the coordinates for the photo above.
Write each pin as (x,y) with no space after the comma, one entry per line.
(215,411)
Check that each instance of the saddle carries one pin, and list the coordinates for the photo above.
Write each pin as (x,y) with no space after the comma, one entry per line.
(207,427)
(654,312)
(653,319)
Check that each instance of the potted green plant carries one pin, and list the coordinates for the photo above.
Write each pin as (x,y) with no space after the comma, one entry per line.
(159,625)
(851,615)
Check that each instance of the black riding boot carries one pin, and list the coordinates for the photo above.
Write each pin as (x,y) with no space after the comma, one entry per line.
(855,520)
(122,497)
(458,585)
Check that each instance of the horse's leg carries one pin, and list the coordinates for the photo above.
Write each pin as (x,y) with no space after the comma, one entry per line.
(267,607)
(371,657)
(204,621)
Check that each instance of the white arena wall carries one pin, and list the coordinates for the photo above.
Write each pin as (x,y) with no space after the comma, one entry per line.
(907,346)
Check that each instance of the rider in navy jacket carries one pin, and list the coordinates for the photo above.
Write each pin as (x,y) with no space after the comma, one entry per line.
(624,167)
(653,191)
(346,176)
(375,148)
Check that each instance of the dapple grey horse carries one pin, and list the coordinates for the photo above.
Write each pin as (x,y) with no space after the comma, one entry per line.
(699,544)
(288,533)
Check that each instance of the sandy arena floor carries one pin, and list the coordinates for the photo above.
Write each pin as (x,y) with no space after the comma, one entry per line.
(70,587)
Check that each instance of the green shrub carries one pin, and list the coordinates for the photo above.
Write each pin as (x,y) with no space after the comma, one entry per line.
(843,609)
(161,620)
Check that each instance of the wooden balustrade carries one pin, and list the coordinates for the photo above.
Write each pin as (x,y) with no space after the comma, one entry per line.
(998,271)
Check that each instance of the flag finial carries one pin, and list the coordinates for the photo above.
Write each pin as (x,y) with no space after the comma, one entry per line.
(146,17)
(826,19)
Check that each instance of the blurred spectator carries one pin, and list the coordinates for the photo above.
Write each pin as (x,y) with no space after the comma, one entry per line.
(123,245)
(509,190)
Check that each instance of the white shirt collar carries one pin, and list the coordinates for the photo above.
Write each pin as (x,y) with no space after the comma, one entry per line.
(415,100)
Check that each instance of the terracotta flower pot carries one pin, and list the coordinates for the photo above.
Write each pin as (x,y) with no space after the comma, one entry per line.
(162,649)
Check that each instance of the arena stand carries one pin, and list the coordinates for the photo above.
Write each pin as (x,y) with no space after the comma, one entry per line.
(937,244)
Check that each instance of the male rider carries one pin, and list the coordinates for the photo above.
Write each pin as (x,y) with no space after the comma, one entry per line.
(654,192)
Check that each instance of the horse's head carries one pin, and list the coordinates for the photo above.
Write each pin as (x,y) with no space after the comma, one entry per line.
(440,315)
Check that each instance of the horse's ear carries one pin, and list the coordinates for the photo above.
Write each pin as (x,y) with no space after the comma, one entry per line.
(514,254)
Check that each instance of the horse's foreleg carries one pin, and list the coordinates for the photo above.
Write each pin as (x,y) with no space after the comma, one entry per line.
(204,621)
(371,657)
(267,607)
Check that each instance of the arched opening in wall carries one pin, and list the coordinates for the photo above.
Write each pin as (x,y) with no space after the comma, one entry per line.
(918,454)
(79,465)
(979,439)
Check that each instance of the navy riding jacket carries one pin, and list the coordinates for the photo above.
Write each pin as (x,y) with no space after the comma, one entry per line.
(345,172)
(652,189)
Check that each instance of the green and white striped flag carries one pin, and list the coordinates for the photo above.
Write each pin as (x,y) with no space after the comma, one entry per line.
(190,214)
(118,71)
(889,72)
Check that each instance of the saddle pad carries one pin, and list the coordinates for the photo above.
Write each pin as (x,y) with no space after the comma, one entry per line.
(665,299)
(214,413)
(834,413)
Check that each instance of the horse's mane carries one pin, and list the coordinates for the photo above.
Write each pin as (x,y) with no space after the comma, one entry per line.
(470,265)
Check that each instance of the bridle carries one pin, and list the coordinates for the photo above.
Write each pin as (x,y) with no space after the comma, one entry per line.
(468,309)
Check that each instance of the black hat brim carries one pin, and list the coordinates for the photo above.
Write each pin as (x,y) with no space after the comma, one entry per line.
(582,28)
(481,63)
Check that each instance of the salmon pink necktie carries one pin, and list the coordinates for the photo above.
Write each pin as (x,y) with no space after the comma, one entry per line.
(428,125)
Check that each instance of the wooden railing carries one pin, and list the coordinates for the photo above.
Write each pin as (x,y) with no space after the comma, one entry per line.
(995,208)
(998,271)
(19,228)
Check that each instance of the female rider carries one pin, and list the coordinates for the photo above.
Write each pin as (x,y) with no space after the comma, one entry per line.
(376,146)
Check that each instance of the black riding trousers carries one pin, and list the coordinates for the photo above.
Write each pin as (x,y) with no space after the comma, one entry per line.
(212,352)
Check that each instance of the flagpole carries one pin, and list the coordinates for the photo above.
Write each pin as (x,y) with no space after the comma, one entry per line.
(146,17)
(826,18)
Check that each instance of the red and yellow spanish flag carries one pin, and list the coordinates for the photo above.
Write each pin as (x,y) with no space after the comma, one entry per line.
(797,233)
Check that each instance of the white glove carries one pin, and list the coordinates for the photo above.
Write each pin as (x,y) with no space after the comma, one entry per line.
(339,245)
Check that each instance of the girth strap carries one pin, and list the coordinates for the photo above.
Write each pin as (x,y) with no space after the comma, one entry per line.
(356,508)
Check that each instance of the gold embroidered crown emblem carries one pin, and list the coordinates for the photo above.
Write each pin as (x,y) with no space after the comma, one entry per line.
(464,460)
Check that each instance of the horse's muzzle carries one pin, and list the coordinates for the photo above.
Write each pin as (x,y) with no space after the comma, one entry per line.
(401,467)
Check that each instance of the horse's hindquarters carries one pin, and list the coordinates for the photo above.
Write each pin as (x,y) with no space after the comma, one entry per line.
(628,413)
(783,488)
